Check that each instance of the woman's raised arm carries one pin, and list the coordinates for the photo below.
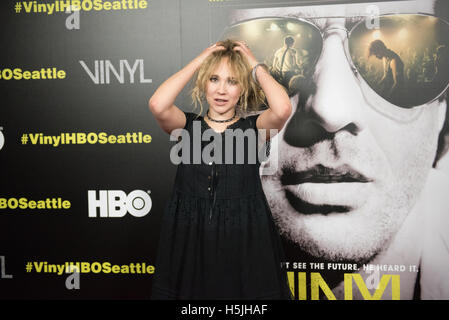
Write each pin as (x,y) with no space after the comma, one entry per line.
(161,103)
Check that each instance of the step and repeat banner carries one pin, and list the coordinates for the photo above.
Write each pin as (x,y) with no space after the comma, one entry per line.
(359,190)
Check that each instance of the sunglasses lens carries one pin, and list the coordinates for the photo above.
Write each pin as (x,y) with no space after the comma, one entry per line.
(289,47)
(405,60)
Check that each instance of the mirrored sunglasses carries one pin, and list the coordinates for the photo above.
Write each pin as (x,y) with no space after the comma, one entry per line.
(405,60)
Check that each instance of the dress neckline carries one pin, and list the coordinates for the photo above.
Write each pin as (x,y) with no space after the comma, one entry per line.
(207,126)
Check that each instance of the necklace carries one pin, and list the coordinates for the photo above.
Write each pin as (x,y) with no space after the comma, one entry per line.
(221,121)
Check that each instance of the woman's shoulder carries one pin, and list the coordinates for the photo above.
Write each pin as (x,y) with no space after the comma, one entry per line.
(190,117)
(249,119)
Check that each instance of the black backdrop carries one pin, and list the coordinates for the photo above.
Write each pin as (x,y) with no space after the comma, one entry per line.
(163,36)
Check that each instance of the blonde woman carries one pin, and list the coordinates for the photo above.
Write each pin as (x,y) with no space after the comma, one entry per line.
(218,239)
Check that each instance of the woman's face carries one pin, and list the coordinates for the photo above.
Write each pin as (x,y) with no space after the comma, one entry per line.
(222,90)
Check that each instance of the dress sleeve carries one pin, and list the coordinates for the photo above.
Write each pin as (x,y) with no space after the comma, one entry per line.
(266,143)
(253,121)
(190,116)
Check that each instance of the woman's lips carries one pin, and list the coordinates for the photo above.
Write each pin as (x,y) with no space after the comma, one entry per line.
(325,190)
(220,102)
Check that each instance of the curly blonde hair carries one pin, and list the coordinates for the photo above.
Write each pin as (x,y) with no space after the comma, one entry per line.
(252,96)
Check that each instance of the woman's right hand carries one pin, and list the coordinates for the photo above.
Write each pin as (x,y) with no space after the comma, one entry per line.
(208,51)
(161,103)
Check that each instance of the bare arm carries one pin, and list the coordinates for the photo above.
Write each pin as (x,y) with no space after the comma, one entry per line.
(394,72)
(161,103)
(385,64)
(278,100)
(275,61)
(295,61)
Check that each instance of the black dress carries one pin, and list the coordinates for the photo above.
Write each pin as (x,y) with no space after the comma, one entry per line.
(218,239)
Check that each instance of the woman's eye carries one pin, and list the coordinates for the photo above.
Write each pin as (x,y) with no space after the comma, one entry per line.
(232,81)
(213,79)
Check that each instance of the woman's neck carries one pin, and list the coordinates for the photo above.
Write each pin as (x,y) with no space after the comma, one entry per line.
(219,125)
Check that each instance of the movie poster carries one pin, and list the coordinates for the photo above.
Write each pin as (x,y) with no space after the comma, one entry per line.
(357,192)
(356,180)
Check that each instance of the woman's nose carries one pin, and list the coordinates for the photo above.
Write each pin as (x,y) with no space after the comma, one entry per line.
(222,87)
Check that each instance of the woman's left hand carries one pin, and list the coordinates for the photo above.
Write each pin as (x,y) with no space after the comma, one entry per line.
(244,49)
(277,98)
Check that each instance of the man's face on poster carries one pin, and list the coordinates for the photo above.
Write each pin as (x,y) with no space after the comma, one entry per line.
(351,164)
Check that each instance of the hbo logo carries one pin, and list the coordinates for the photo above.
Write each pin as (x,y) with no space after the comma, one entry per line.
(115,203)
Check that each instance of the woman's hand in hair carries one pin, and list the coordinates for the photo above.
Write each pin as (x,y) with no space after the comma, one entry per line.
(243,48)
(208,51)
